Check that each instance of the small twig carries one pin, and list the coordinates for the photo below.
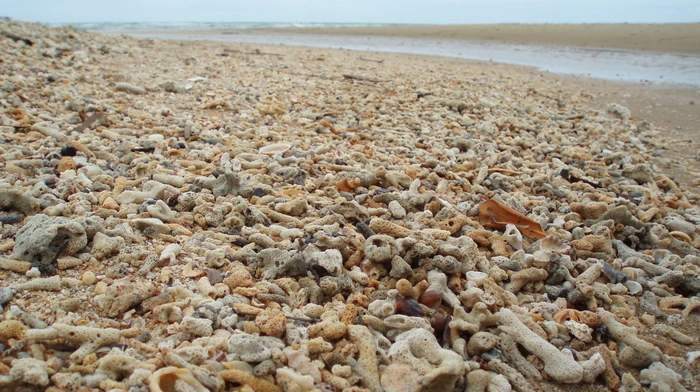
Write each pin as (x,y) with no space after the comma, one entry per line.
(568,176)
(374,61)
(362,78)
(300,319)
(147,150)
(17,38)
(304,320)
(258,52)
(88,121)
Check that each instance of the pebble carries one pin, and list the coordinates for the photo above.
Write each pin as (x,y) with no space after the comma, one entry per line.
(88,278)
(130,88)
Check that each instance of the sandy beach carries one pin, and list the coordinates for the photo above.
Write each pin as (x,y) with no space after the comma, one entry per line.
(222,216)
(670,106)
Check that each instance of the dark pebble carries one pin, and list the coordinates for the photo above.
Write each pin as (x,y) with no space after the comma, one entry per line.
(363,228)
(68,151)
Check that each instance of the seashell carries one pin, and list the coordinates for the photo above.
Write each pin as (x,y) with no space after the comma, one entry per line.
(681,236)
(541,258)
(273,149)
(554,244)
(190,272)
(348,184)
(513,236)
(172,379)
(693,356)
(214,276)
(438,321)
(431,299)
(477,277)
(634,287)
(602,334)
(613,275)
(408,307)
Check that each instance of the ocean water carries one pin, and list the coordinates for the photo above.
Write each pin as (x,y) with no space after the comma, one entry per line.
(598,63)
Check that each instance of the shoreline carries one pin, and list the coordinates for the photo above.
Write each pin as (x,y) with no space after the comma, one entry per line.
(605,64)
(670,38)
(681,38)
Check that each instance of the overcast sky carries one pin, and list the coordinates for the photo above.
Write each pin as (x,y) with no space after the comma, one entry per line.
(355,11)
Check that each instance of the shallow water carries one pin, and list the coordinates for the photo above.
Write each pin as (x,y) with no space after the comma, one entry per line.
(598,63)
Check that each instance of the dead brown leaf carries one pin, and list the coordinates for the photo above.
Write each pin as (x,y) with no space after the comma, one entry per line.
(497,215)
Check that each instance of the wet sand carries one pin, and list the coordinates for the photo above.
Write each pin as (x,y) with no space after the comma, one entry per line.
(660,38)
(597,63)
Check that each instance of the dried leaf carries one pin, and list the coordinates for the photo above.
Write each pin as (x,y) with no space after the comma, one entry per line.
(497,215)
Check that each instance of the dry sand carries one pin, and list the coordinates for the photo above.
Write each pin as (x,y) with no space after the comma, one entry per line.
(662,38)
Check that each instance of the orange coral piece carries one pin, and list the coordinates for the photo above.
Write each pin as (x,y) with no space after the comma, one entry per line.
(454,224)
(258,384)
(329,126)
(348,184)
(589,318)
(382,226)
(566,314)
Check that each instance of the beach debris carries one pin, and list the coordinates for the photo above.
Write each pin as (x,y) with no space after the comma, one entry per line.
(362,78)
(371,60)
(15,200)
(43,238)
(618,111)
(494,214)
(272,149)
(489,235)
(16,38)
(129,88)
(95,117)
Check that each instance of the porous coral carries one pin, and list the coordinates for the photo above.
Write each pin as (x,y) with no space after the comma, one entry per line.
(12,199)
(638,352)
(417,363)
(87,339)
(561,367)
(41,240)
